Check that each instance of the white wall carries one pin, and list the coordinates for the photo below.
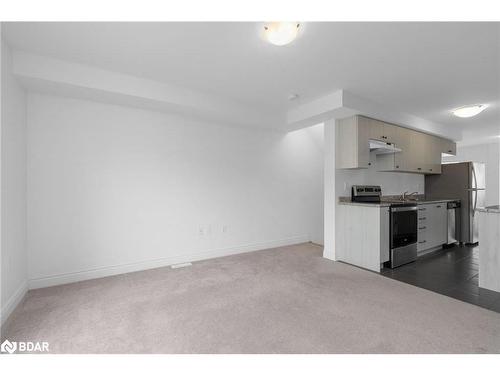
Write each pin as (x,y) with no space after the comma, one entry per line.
(330,194)
(114,189)
(489,154)
(315,162)
(13,196)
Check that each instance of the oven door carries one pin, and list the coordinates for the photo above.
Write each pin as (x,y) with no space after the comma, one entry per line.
(403,226)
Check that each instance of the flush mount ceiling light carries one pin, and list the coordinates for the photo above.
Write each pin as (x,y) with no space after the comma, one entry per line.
(281,33)
(469,110)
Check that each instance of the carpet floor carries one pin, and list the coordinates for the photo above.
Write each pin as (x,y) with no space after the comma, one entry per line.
(282,300)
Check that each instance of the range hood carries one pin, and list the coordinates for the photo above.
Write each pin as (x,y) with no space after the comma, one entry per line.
(379,147)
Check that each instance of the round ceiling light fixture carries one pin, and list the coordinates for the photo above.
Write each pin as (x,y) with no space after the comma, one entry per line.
(469,110)
(281,33)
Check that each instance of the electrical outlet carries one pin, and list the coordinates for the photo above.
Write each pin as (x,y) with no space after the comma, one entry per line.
(204,230)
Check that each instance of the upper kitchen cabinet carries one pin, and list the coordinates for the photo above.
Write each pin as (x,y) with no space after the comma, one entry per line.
(380,131)
(352,146)
(398,149)
(420,153)
(448,147)
(402,162)
(433,147)
(412,156)
(437,146)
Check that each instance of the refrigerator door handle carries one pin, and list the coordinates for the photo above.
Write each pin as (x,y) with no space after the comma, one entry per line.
(474,176)
(475,204)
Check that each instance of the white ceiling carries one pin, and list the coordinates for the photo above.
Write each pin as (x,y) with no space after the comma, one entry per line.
(424,69)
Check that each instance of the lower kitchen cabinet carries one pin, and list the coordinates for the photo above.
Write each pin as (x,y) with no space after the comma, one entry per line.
(362,236)
(432,226)
(363,232)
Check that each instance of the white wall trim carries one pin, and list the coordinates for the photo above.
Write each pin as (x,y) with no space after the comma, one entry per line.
(14,300)
(161,262)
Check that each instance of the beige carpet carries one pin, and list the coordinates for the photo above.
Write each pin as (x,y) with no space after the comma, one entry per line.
(284,300)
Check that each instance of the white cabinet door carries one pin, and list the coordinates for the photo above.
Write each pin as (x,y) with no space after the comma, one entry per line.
(432,226)
(424,154)
(413,158)
(422,226)
(352,148)
(433,154)
(358,236)
(380,130)
(438,225)
(443,223)
(403,159)
(363,147)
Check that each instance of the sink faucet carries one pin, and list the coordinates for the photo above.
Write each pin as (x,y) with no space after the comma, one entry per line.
(407,195)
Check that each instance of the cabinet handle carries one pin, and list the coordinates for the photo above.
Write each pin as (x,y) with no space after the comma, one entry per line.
(422,209)
(438,206)
(422,218)
(424,241)
(450,151)
(422,228)
(369,163)
(397,166)
(430,169)
(419,169)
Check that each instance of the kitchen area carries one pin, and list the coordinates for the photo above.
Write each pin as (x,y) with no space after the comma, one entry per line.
(430,237)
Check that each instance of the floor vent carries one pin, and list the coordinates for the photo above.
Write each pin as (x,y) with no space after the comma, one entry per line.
(181,265)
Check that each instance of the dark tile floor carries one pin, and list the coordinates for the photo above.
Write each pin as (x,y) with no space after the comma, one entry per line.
(452,272)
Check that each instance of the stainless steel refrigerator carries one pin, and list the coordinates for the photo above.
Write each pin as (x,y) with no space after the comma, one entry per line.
(464,181)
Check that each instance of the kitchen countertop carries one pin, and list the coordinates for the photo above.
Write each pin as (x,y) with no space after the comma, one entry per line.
(388,201)
(490,209)
(365,204)
(425,201)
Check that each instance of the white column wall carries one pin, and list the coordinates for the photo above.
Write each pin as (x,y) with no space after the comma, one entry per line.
(329,190)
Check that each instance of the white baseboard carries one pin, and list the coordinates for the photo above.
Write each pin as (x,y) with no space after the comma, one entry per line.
(13,302)
(96,273)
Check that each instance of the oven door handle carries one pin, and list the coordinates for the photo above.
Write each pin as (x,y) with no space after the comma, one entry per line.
(402,209)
